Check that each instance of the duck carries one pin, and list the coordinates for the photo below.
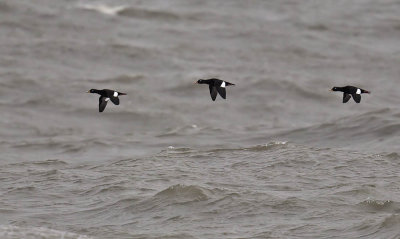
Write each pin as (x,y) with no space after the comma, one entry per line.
(105,96)
(215,85)
(351,91)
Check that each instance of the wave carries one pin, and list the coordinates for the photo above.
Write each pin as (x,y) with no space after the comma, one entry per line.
(268,146)
(392,221)
(23,190)
(386,227)
(102,8)
(49,162)
(65,147)
(9,232)
(172,196)
(378,128)
(183,194)
(380,205)
(148,14)
(393,156)
(353,192)
(182,130)
(171,150)
(126,11)
(104,189)
(274,145)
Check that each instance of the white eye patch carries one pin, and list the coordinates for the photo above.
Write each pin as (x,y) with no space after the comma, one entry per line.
(223,84)
(358,91)
(115,94)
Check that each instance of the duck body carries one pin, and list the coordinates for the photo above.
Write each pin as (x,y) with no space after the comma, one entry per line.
(216,86)
(105,96)
(351,91)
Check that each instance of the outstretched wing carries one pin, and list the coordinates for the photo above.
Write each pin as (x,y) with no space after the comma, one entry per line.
(115,100)
(213,92)
(356,97)
(346,97)
(221,91)
(102,103)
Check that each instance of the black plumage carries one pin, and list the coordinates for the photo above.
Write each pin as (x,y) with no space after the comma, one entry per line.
(105,96)
(351,91)
(216,86)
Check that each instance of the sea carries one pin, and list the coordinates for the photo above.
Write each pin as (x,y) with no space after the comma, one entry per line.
(281,157)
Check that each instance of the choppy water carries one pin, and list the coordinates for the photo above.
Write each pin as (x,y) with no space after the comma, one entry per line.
(282,157)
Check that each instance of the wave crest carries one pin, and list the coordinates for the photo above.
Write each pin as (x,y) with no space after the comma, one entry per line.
(181,193)
(269,146)
(126,11)
(102,8)
(379,205)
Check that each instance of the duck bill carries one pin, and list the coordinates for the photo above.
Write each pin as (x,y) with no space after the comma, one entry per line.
(121,93)
(88,91)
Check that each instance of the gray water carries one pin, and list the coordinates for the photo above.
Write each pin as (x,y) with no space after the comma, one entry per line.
(282,157)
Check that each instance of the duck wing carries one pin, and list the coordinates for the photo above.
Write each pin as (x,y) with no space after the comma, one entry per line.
(346,97)
(221,91)
(102,103)
(356,97)
(213,92)
(115,100)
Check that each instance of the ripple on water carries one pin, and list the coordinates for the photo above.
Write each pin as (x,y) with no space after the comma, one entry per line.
(15,232)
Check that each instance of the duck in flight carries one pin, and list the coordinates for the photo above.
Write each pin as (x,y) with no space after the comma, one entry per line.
(105,96)
(215,85)
(351,91)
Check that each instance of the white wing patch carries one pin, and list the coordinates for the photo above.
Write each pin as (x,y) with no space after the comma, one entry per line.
(115,94)
(358,91)
(223,84)
(106,99)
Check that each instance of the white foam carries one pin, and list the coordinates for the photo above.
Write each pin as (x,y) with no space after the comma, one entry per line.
(101,8)
(223,84)
(358,91)
(276,143)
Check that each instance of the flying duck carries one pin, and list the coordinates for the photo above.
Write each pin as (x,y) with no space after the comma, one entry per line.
(105,96)
(215,85)
(355,92)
